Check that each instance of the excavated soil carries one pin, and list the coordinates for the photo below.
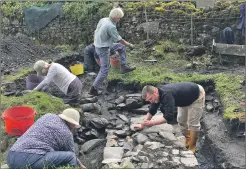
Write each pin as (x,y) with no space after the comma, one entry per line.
(21,51)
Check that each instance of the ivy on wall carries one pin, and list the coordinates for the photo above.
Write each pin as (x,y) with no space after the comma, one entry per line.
(15,9)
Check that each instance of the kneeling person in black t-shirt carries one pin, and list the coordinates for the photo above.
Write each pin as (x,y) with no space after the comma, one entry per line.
(190,100)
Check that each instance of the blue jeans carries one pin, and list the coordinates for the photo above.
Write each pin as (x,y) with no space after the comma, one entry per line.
(17,160)
(103,54)
(122,51)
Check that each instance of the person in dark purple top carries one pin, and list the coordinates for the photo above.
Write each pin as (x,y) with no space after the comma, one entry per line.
(48,143)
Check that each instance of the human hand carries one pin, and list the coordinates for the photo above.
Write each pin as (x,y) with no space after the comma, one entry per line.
(131,46)
(148,123)
(82,166)
(138,127)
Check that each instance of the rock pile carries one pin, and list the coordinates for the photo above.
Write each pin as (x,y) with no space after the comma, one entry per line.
(153,147)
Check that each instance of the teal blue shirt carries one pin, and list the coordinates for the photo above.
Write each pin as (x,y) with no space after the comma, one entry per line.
(106,33)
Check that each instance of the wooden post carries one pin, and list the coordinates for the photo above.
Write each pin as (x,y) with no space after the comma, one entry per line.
(245,63)
(147,23)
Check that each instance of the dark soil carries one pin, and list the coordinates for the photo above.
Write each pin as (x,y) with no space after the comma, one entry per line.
(21,51)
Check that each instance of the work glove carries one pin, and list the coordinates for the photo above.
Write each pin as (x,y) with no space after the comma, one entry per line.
(131,46)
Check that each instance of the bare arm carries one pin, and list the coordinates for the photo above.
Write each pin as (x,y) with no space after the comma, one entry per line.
(80,164)
(124,42)
(148,117)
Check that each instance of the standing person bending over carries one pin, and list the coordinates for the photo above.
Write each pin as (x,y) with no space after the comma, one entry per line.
(92,61)
(68,83)
(190,100)
(105,35)
(48,143)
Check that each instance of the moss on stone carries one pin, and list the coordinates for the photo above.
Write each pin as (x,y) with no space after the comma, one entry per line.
(167,46)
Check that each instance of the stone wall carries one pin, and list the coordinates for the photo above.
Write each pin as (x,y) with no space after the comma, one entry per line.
(132,27)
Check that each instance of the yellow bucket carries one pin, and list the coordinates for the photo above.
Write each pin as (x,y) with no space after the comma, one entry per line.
(77,69)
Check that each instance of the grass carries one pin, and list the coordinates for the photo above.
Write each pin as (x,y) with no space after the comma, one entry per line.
(21,73)
(41,102)
(227,85)
(169,56)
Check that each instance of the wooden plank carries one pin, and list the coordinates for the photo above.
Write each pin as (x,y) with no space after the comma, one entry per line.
(229,49)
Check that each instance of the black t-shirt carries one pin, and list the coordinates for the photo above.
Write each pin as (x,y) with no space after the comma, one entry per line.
(175,95)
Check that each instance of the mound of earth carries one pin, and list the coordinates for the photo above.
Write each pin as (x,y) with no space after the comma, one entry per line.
(20,51)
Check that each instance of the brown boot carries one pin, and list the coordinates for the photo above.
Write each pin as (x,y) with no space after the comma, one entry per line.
(187,139)
(126,69)
(192,142)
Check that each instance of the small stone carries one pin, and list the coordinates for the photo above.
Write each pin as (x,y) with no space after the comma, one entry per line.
(175,152)
(162,160)
(141,138)
(186,154)
(123,117)
(209,106)
(189,162)
(111,143)
(164,154)
(143,159)
(121,106)
(121,133)
(153,145)
(130,153)
(144,165)
(176,160)
(138,148)
(119,127)
(121,99)
(209,98)
(168,135)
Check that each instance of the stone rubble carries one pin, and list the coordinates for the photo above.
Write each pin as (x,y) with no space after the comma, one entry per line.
(152,147)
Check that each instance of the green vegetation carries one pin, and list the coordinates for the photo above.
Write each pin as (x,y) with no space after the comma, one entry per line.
(169,57)
(227,85)
(21,73)
(64,48)
(16,8)
(79,11)
(40,101)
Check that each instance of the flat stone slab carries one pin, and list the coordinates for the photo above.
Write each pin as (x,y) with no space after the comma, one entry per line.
(89,145)
(189,162)
(168,135)
(112,155)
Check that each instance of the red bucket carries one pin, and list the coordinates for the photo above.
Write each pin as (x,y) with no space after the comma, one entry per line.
(18,119)
(115,63)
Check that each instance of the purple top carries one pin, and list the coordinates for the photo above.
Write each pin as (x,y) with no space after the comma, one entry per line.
(48,133)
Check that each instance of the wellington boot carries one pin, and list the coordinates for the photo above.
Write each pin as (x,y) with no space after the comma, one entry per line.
(187,139)
(192,142)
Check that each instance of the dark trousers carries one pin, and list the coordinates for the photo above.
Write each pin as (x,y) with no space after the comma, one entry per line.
(73,91)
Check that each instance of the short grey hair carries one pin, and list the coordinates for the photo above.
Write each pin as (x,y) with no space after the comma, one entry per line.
(147,89)
(116,13)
